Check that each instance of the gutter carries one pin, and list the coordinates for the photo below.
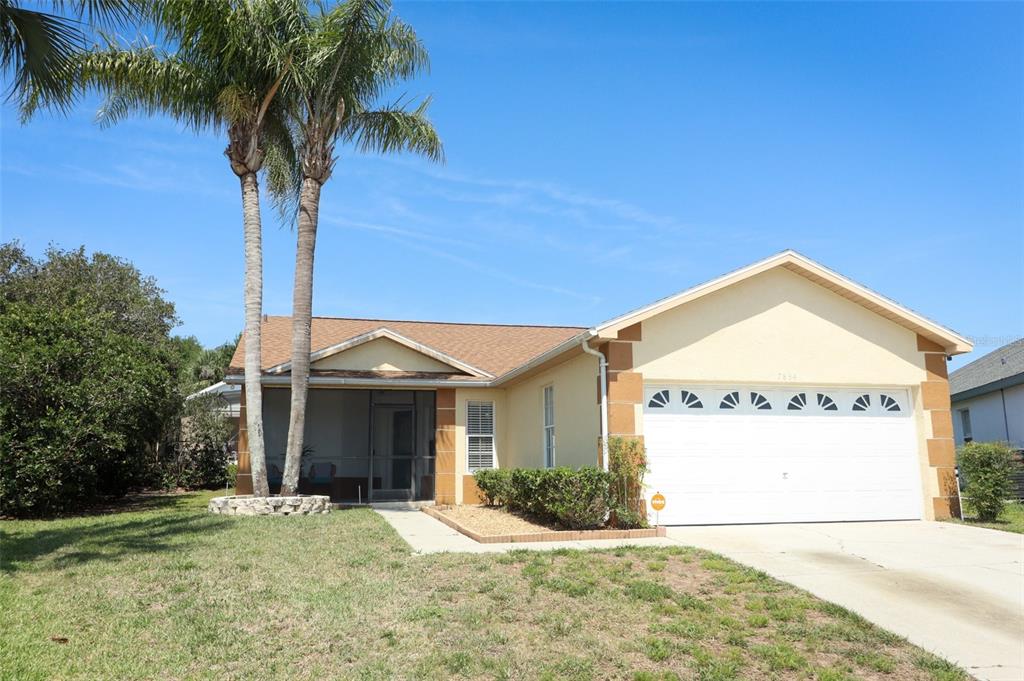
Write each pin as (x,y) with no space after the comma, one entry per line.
(990,387)
(603,364)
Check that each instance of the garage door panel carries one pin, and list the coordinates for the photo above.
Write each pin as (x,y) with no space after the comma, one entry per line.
(825,462)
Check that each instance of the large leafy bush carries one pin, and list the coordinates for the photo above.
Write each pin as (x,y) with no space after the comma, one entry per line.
(88,379)
(987,469)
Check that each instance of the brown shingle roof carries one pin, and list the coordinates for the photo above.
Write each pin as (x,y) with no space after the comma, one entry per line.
(495,348)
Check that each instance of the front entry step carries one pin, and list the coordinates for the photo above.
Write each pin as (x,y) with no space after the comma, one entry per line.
(400,505)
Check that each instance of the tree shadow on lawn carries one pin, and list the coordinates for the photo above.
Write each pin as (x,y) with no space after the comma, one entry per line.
(107,538)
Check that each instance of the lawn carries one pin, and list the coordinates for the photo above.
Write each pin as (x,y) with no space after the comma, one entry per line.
(1012,519)
(167,591)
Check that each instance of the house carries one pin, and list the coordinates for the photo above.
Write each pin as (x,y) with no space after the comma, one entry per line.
(988,397)
(227,404)
(781,392)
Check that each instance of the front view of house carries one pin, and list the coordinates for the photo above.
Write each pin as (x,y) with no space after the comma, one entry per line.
(782,392)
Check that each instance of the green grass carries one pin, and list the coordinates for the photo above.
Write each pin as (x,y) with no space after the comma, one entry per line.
(1011,520)
(167,591)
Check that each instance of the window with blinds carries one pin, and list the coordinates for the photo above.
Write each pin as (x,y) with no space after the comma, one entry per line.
(549,426)
(480,435)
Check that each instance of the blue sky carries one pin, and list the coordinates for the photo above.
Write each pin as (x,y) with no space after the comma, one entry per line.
(662,143)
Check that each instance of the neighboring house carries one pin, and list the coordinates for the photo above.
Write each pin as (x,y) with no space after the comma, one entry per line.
(988,397)
(228,405)
(779,392)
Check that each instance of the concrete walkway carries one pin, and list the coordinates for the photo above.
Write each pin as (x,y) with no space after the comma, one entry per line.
(429,535)
(954,590)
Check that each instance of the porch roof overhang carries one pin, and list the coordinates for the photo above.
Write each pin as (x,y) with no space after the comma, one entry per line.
(370,379)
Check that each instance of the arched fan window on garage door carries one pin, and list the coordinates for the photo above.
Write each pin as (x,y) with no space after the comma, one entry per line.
(827,403)
(659,400)
(730,401)
(690,400)
(888,403)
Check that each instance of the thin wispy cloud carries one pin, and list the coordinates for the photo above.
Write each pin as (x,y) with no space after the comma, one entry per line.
(421,241)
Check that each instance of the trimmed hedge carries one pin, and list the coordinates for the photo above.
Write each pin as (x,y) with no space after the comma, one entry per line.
(576,498)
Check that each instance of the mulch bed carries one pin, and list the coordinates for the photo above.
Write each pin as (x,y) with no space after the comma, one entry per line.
(494,524)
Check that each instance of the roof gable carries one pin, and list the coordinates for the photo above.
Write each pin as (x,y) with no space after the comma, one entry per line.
(484,350)
(384,350)
(950,341)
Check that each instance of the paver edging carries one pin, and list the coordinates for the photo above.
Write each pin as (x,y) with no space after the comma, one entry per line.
(553,535)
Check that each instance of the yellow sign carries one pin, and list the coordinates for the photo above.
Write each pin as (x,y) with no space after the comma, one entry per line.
(658,501)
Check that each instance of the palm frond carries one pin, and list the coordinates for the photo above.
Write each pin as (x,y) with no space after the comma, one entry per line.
(36,49)
(395,129)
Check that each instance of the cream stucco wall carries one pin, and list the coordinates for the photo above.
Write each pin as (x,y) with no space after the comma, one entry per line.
(577,416)
(462,396)
(777,327)
(382,354)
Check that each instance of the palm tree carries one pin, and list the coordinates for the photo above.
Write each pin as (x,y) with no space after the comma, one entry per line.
(37,48)
(232,57)
(350,57)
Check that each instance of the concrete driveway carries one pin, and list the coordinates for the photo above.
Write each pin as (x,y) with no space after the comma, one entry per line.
(956,591)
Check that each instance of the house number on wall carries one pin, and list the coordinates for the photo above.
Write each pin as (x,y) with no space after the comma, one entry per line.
(786,376)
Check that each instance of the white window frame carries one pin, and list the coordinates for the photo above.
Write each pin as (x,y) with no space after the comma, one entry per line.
(548,446)
(480,436)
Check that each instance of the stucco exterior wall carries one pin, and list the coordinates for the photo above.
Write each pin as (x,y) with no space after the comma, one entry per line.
(777,327)
(988,423)
(577,416)
(462,396)
(382,354)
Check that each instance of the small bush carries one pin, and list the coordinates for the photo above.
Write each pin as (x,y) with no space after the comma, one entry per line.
(579,499)
(987,469)
(627,465)
(494,485)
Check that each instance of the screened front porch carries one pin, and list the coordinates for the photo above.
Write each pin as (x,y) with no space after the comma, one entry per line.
(360,445)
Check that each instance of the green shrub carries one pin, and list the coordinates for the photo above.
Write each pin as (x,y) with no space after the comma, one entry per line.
(627,465)
(494,485)
(578,499)
(575,498)
(987,469)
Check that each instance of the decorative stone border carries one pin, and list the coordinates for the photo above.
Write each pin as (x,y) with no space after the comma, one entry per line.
(553,535)
(247,504)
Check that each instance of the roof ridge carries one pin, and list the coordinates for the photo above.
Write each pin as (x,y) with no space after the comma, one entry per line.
(424,321)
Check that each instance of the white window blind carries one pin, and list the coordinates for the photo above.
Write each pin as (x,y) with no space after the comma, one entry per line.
(480,435)
(549,426)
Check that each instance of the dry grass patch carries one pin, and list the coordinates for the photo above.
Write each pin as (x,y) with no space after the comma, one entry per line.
(177,593)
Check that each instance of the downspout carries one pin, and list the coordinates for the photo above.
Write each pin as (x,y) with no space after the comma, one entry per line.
(603,363)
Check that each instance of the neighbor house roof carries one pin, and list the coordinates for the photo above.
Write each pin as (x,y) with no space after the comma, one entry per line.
(493,349)
(998,369)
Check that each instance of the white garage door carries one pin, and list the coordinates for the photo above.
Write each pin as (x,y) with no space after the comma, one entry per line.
(744,454)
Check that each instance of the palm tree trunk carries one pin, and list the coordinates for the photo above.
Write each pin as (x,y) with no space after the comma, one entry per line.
(253,311)
(302,320)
